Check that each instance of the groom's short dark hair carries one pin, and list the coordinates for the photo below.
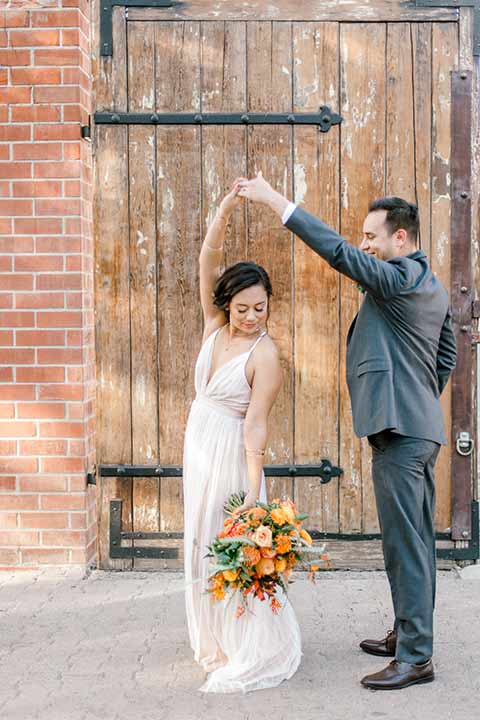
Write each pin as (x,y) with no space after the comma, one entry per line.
(401,215)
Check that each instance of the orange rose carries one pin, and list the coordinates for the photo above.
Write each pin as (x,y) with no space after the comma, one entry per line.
(283,544)
(268,553)
(265,567)
(280,565)
(239,529)
(251,555)
(263,536)
(278,516)
(257,513)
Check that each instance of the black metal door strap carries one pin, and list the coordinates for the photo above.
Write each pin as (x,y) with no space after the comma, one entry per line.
(106,26)
(324,118)
(475,4)
(325,471)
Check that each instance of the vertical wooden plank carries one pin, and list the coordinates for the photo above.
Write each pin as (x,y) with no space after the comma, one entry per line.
(444,60)
(224,148)
(422,82)
(177,52)
(316,306)
(362,179)
(269,72)
(400,139)
(143,286)
(112,297)
(109,72)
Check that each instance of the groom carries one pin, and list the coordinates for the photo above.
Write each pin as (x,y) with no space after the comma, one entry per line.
(400,353)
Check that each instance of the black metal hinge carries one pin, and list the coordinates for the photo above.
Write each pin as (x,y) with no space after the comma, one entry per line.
(324,118)
(475,4)
(106,10)
(86,130)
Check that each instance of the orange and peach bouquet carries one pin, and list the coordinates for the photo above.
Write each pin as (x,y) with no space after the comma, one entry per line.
(257,551)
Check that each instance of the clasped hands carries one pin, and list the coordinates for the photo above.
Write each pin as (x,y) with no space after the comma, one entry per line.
(258,190)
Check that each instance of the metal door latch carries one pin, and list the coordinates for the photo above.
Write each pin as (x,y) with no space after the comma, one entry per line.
(464,444)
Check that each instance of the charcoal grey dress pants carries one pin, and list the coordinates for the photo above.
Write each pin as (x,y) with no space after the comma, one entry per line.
(403,478)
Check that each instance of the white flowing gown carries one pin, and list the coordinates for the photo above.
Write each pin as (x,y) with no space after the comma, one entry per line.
(259,649)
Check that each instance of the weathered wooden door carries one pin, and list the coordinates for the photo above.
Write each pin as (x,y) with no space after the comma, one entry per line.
(158,185)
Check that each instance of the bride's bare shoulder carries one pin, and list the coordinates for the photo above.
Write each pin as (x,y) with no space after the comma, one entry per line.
(267,352)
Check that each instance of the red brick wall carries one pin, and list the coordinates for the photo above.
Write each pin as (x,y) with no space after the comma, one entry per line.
(47,514)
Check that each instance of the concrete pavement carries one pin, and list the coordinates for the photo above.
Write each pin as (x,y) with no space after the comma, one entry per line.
(113,646)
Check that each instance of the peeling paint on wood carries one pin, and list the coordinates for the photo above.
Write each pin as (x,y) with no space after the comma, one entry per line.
(314,10)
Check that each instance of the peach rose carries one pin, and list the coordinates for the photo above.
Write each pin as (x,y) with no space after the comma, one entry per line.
(263,536)
(280,565)
(265,567)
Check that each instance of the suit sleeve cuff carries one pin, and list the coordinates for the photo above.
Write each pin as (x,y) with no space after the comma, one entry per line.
(288,212)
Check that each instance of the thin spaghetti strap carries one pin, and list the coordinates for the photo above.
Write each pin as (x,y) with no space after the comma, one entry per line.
(256,343)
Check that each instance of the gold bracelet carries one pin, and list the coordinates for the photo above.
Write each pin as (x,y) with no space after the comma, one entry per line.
(252,451)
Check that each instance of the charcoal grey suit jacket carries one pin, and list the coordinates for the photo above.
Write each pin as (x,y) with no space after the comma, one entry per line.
(400,346)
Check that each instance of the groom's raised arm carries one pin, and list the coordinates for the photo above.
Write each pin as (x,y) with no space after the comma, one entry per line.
(382,279)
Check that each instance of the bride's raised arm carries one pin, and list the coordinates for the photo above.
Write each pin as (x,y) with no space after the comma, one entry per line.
(210,261)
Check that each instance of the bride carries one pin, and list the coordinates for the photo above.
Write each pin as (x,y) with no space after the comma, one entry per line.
(237,379)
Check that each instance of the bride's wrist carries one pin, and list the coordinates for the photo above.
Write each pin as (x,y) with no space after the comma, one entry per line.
(222,215)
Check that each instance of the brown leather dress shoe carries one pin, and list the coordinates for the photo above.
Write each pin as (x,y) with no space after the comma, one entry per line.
(399,675)
(384,648)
